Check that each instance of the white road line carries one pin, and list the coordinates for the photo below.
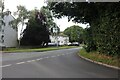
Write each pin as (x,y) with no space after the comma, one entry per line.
(28,61)
(6,65)
(31,61)
(53,56)
(62,54)
(20,63)
(46,57)
(39,59)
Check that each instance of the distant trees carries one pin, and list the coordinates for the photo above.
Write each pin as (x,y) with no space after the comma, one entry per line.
(104,20)
(75,33)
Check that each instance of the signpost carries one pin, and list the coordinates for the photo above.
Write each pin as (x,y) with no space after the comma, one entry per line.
(55,31)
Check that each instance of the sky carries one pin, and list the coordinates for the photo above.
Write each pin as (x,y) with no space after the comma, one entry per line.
(32,4)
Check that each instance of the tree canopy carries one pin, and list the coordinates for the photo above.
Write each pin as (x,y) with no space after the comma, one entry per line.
(37,30)
(104,20)
(75,33)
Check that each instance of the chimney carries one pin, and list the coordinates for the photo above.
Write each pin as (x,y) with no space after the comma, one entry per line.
(8,12)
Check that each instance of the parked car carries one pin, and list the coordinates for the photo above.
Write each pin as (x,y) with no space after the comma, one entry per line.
(52,44)
(75,44)
(69,44)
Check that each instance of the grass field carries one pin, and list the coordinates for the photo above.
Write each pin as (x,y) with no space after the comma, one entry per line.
(8,50)
(114,61)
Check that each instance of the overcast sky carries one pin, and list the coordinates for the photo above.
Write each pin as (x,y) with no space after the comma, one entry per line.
(31,4)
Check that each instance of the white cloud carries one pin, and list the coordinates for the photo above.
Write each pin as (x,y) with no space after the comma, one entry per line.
(63,23)
(29,4)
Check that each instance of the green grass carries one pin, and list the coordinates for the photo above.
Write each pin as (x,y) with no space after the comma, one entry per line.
(8,50)
(114,61)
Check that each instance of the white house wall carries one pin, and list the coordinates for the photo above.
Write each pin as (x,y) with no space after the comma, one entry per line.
(10,34)
(62,40)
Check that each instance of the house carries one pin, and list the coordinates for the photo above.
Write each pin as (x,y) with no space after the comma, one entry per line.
(60,39)
(8,35)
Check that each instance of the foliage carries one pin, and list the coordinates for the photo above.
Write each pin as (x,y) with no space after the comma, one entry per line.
(22,15)
(75,33)
(36,32)
(49,17)
(88,40)
(104,20)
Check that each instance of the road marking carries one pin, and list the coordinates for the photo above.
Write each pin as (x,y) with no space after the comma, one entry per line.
(39,59)
(6,65)
(31,61)
(53,56)
(20,63)
(63,54)
(46,57)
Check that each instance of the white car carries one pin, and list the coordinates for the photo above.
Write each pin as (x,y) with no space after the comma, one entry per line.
(52,44)
(69,44)
(75,44)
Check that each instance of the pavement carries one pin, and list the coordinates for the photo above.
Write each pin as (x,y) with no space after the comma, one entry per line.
(63,63)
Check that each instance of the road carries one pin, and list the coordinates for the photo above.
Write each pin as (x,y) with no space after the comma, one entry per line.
(52,64)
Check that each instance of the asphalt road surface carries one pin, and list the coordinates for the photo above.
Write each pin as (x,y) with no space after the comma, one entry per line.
(52,64)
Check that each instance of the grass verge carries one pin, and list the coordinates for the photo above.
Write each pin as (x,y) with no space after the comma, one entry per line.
(10,50)
(95,56)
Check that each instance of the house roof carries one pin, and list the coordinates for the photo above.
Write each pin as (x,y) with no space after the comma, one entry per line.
(62,34)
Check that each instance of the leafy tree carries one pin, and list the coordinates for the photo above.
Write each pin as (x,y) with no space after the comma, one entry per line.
(49,17)
(103,18)
(22,14)
(88,40)
(75,33)
(36,32)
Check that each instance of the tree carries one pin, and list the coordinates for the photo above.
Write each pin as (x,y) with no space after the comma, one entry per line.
(75,33)
(22,14)
(88,40)
(103,18)
(36,32)
(49,17)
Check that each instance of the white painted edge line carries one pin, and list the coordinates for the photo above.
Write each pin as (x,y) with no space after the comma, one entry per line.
(20,63)
(114,67)
(6,65)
